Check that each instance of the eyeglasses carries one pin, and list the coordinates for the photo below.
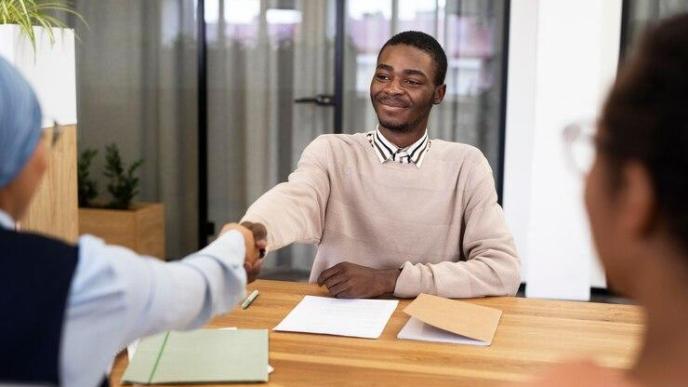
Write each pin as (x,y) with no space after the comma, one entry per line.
(53,135)
(579,140)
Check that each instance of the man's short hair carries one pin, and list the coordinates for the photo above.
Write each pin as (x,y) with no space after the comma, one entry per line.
(426,43)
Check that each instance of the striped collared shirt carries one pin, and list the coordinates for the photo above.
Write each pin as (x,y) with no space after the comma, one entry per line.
(386,151)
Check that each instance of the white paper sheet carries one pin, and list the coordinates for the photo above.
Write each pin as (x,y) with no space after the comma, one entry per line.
(332,316)
(418,330)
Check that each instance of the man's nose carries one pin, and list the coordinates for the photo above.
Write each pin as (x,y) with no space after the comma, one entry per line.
(393,87)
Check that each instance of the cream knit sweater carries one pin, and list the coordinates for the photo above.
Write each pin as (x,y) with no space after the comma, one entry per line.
(440,223)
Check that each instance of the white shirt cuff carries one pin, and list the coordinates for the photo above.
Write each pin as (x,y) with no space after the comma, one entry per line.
(228,248)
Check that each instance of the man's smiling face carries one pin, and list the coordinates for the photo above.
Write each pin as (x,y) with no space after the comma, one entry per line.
(403,89)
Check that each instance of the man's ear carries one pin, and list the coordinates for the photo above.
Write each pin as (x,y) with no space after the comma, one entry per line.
(439,94)
(638,202)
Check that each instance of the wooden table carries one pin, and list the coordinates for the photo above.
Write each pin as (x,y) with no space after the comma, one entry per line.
(532,334)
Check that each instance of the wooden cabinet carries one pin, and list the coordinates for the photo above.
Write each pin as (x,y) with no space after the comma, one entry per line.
(54,208)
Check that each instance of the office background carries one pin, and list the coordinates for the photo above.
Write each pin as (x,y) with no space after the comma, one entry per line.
(138,71)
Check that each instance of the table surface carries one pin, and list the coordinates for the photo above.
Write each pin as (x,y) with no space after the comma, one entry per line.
(532,334)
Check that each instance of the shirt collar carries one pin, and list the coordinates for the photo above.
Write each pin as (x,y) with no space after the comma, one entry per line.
(387,151)
(6,220)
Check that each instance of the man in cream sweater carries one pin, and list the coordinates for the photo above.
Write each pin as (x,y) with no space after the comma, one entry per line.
(393,212)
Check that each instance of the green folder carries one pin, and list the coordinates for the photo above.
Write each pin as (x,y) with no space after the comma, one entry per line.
(201,356)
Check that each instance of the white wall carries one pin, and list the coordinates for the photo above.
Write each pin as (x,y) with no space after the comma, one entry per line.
(51,70)
(562,58)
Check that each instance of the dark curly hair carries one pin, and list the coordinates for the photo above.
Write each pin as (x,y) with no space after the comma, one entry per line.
(645,118)
(423,42)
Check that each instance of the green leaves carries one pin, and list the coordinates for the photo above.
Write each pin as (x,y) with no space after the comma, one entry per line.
(123,185)
(30,13)
(88,189)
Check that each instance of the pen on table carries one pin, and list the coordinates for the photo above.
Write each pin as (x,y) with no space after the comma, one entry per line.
(249,299)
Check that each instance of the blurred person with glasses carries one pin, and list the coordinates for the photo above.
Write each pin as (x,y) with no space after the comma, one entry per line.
(68,309)
(636,197)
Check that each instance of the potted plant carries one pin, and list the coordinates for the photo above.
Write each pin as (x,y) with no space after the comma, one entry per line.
(32,17)
(86,186)
(37,43)
(121,221)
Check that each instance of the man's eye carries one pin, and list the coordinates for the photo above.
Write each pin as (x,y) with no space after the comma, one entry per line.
(412,82)
(382,77)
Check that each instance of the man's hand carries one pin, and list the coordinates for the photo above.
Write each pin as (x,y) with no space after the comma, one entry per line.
(252,251)
(348,280)
(260,235)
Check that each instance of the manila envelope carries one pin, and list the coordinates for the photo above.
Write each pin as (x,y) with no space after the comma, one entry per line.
(462,318)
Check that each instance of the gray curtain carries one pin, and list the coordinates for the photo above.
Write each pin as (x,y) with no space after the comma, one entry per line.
(474,117)
(136,87)
(256,132)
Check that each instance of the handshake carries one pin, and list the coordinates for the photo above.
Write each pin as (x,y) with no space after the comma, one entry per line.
(255,239)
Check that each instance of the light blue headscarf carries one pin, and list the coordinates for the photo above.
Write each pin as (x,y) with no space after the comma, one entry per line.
(20,122)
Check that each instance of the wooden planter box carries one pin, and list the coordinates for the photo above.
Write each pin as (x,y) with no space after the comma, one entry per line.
(141,228)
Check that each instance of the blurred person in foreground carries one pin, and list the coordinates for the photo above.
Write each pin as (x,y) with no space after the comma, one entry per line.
(636,193)
(68,309)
